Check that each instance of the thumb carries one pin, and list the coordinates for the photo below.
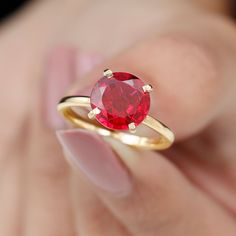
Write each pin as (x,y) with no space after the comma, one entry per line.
(142,189)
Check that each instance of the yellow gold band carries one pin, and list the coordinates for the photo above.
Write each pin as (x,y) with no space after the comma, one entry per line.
(162,141)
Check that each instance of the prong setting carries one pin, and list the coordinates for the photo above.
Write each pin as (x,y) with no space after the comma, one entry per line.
(132,127)
(93,113)
(107,73)
(147,88)
(121,100)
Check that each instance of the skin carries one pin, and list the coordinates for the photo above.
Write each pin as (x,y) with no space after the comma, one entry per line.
(189,189)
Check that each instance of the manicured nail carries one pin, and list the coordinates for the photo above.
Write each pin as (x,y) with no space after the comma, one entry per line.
(65,66)
(60,74)
(95,158)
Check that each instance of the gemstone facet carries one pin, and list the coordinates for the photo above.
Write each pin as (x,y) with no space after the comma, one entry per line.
(121,101)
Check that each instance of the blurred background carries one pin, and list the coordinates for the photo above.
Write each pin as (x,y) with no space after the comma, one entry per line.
(8,7)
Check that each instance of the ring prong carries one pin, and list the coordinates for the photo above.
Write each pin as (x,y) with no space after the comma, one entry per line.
(132,127)
(108,73)
(147,88)
(93,113)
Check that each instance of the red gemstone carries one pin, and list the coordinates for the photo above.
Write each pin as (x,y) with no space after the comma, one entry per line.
(121,100)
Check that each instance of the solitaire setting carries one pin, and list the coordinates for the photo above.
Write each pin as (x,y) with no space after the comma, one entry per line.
(119,102)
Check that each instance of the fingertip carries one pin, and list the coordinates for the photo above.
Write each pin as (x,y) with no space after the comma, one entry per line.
(187,73)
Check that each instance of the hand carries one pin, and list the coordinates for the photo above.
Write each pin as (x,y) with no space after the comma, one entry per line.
(188,190)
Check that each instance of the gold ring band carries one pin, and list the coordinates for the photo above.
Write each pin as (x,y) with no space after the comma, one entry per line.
(163,141)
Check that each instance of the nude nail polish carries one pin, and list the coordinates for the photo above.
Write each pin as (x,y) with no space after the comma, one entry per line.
(60,74)
(65,66)
(95,158)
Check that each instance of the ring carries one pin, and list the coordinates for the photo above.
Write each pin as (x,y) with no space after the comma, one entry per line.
(118,107)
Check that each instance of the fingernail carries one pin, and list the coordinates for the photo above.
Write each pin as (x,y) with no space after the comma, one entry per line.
(95,158)
(59,75)
(65,66)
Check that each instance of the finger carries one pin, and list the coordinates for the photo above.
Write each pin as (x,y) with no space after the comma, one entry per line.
(48,174)
(49,208)
(148,195)
(27,34)
(87,206)
(187,70)
(91,215)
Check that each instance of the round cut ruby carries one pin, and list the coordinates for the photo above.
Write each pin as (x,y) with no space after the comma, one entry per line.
(121,101)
